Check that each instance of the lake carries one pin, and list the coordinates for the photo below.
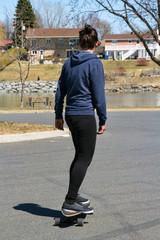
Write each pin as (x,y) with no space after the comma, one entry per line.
(113,99)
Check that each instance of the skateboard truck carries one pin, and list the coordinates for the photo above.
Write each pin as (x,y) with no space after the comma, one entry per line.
(71,218)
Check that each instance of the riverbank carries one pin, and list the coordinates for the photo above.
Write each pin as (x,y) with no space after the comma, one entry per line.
(133,84)
(120,76)
(118,85)
(29,87)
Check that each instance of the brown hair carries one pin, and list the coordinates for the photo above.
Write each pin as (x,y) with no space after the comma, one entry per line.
(88,37)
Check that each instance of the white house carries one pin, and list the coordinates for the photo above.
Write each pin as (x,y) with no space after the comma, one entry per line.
(128,46)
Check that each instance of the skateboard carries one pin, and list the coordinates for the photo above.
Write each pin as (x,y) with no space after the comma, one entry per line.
(71,218)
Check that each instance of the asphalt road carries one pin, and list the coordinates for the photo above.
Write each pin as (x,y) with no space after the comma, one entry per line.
(122,183)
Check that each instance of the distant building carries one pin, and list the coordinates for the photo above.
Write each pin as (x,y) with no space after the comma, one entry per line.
(128,46)
(5,45)
(56,42)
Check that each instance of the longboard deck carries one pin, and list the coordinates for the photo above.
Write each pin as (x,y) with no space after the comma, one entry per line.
(70,213)
(71,218)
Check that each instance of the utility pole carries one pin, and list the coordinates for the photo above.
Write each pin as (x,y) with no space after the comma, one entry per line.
(22,33)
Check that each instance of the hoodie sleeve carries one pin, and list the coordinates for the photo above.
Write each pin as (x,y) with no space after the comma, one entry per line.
(60,94)
(98,91)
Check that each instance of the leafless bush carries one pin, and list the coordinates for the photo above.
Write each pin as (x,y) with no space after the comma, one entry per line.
(142,62)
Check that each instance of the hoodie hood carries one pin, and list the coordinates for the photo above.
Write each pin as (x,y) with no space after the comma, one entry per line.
(81,56)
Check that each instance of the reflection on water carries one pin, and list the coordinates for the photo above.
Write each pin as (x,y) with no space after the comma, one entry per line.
(113,99)
(13,100)
(133,99)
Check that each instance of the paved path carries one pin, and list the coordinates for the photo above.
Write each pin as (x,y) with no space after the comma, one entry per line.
(123,182)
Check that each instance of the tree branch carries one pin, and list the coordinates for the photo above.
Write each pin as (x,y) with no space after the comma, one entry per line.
(111,10)
(154,34)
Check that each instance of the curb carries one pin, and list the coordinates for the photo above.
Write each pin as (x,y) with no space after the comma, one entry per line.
(33,136)
(109,109)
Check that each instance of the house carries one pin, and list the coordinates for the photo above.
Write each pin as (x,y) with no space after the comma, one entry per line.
(56,42)
(5,45)
(128,46)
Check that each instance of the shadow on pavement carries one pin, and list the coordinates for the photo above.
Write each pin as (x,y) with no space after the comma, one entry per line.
(36,209)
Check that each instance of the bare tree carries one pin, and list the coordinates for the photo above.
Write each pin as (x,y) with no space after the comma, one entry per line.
(102,26)
(23,60)
(23,73)
(2,32)
(137,14)
(8,22)
(50,15)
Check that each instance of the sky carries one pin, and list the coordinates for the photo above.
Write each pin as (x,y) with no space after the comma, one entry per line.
(9,5)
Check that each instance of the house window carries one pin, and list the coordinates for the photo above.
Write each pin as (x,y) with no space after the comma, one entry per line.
(34,52)
(129,41)
(73,41)
(60,40)
(48,40)
(69,53)
(151,41)
(33,42)
(114,41)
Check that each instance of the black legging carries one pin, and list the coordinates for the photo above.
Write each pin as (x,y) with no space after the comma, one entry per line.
(83,129)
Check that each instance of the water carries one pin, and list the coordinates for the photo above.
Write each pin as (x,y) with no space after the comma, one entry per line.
(113,99)
(133,99)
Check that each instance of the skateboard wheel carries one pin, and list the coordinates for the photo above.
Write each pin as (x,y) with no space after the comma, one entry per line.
(80,222)
(57,221)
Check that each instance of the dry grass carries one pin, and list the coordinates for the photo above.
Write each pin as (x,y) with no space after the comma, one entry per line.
(44,71)
(118,73)
(118,81)
(128,65)
(17,128)
(50,72)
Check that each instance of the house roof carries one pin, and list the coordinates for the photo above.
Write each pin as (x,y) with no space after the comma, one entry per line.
(52,32)
(126,36)
(6,42)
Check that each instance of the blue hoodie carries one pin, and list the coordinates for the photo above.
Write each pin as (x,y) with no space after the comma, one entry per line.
(82,82)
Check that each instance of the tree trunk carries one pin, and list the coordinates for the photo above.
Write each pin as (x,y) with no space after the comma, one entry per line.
(158,4)
(22,95)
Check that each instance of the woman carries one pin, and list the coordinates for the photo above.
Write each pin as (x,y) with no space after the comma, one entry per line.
(82,82)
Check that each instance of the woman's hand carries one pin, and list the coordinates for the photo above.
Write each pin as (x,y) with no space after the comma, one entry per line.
(101,129)
(59,124)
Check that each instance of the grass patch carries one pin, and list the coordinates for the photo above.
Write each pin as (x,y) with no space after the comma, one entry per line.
(17,128)
(46,72)
(118,73)
(50,72)
(128,65)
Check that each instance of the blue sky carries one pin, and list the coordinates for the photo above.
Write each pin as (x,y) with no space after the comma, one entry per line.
(11,4)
